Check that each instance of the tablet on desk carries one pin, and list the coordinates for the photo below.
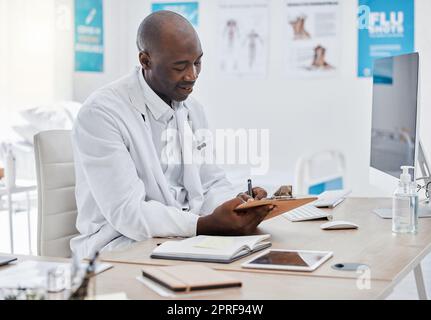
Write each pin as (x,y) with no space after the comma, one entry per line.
(295,260)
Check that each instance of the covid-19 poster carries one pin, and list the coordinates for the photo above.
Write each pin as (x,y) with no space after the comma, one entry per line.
(386,28)
(89,49)
(189,10)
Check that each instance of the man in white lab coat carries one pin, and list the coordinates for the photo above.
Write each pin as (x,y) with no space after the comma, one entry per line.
(130,185)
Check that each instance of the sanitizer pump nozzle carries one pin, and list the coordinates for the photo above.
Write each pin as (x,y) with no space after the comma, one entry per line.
(405,176)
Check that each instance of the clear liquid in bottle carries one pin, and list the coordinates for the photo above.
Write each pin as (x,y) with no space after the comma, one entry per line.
(405,205)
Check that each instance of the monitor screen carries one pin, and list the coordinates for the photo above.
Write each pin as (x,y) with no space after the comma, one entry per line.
(394,116)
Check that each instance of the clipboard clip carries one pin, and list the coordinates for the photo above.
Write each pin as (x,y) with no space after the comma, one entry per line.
(285,192)
(282,198)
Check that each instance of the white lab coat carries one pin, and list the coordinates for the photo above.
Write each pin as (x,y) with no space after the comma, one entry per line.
(122,193)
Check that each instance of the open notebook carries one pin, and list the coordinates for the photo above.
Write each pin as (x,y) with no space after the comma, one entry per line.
(211,248)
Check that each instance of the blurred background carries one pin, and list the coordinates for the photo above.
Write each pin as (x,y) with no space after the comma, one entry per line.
(304,114)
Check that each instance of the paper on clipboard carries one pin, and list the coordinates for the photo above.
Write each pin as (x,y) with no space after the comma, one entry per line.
(281,205)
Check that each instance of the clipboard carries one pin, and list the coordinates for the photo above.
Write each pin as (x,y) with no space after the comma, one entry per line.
(282,205)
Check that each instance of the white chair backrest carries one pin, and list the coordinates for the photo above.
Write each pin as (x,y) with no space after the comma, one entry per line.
(56,193)
(321,171)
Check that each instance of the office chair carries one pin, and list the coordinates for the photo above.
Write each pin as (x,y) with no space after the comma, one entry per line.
(57,210)
(319,172)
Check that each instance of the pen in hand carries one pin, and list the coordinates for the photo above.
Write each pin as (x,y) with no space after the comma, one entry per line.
(250,188)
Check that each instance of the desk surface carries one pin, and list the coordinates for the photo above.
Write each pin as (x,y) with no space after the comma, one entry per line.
(122,278)
(390,257)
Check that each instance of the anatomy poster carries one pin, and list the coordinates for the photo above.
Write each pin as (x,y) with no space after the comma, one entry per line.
(243,37)
(312,38)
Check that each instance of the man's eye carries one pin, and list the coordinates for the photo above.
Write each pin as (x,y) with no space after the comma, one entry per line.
(197,63)
(180,69)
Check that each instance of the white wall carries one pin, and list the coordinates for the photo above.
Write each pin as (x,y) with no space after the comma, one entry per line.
(303,116)
(35,52)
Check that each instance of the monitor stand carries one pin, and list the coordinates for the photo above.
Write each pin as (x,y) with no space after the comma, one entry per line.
(424,208)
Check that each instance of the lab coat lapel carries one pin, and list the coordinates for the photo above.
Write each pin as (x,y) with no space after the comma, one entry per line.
(138,101)
(191,179)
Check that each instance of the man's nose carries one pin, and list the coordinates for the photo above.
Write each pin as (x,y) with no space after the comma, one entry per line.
(192,74)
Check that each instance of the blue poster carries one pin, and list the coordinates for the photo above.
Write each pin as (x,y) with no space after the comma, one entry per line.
(189,10)
(89,35)
(386,28)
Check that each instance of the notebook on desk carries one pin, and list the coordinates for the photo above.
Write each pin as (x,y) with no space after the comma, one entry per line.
(211,248)
(185,278)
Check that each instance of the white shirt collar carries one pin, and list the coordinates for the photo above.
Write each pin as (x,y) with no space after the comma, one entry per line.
(159,108)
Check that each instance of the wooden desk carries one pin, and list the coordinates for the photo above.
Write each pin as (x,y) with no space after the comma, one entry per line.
(390,257)
(122,278)
(260,287)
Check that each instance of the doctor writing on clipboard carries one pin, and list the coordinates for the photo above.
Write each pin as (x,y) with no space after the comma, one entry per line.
(126,191)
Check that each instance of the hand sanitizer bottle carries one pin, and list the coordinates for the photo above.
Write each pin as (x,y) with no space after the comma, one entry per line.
(405,204)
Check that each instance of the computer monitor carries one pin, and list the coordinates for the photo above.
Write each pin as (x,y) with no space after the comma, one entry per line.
(395,124)
(395,113)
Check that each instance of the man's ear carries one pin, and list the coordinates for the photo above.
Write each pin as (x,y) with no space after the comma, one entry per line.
(144,59)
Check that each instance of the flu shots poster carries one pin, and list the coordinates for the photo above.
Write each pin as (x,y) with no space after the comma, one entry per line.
(385,28)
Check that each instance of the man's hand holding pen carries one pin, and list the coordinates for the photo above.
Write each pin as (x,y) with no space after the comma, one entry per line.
(256,193)
(225,221)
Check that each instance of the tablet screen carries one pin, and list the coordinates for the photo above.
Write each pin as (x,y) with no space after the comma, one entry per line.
(289,258)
